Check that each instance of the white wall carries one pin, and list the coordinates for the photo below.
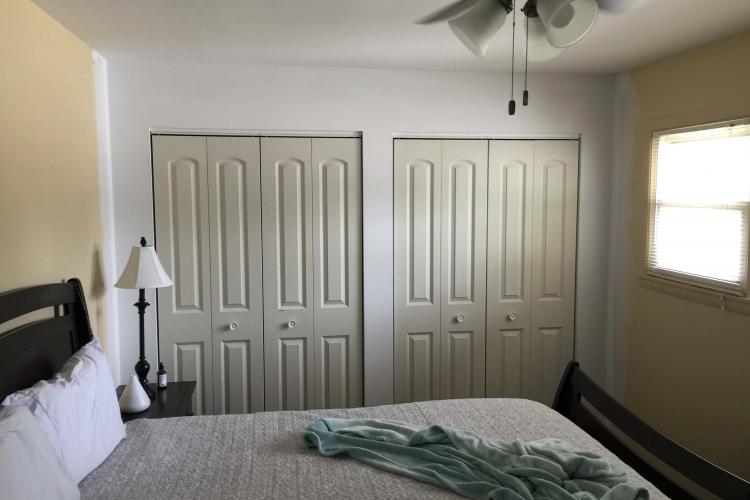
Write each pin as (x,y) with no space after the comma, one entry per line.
(621,214)
(379,103)
(110,265)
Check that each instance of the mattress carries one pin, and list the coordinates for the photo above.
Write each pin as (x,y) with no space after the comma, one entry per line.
(262,455)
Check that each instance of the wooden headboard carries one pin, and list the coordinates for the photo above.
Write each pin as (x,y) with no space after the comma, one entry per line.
(37,350)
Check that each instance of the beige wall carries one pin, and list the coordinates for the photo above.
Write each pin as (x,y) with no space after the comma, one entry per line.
(687,365)
(50,226)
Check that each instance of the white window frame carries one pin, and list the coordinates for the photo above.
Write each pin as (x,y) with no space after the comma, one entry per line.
(685,281)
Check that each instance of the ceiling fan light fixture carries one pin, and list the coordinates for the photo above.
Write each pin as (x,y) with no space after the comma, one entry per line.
(567,21)
(476,27)
(539,48)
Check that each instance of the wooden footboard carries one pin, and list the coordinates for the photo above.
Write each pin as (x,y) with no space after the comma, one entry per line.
(576,386)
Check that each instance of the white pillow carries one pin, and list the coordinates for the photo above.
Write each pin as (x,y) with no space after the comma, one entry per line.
(78,410)
(29,466)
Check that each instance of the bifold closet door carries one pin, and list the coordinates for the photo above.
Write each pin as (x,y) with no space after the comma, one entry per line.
(286,178)
(509,275)
(531,251)
(312,272)
(182,240)
(417,221)
(236,273)
(337,271)
(439,268)
(553,263)
(462,263)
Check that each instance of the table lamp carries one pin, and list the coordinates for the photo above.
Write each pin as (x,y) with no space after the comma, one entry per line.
(143,270)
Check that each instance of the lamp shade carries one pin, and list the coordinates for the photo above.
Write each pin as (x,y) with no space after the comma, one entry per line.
(539,47)
(567,21)
(476,27)
(143,270)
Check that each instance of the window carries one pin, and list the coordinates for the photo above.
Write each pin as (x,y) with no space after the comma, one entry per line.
(700,197)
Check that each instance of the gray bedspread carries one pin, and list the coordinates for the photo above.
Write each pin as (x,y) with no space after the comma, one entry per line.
(263,455)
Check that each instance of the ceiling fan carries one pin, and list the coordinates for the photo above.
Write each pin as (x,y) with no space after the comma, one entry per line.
(551,25)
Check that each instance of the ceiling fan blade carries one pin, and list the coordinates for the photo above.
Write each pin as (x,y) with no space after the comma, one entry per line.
(448,12)
(618,6)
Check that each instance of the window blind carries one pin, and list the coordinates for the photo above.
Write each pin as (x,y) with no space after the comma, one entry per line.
(699,204)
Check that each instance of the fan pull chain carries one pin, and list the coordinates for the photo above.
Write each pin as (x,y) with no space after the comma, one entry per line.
(512,103)
(526,67)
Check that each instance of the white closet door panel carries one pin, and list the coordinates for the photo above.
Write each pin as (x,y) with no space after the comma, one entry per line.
(236,273)
(294,384)
(334,382)
(286,178)
(417,200)
(463,275)
(553,263)
(191,361)
(421,371)
(182,242)
(507,363)
(234,364)
(337,271)
(509,269)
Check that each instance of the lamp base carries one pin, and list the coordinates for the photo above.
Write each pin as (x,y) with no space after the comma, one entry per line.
(133,398)
(141,368)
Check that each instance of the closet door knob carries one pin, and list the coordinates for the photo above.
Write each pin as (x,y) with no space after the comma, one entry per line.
(460,318)
(233,325)
(291,323)
(511,316)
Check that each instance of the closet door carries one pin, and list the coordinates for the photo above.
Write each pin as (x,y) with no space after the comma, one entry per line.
(462,281)
(236,273)
(509,193)
(286,180)
(417,196)
(337,271)
(182,239)
(553,262)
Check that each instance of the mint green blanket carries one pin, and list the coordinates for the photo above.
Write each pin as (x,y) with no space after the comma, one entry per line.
(471,466)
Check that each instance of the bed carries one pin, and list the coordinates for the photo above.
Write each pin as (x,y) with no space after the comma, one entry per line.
(262,455)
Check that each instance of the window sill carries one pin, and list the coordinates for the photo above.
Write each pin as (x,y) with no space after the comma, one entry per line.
(713,298)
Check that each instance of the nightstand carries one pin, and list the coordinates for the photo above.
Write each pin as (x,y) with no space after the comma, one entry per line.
(174,401)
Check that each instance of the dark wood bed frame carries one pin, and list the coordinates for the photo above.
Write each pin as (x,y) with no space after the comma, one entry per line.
(37,350)
(577,395)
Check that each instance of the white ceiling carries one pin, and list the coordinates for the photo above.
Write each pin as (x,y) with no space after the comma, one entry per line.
(373,33)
